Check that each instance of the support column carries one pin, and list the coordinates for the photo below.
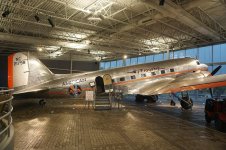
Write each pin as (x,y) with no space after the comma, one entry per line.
(71,69)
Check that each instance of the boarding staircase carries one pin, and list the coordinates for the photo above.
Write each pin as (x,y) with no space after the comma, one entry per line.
(102,101)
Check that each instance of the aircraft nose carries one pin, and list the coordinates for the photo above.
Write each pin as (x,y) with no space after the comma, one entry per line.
(204,66)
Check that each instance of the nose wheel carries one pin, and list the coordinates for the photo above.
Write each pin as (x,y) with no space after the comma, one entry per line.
(186,103)
(42,102)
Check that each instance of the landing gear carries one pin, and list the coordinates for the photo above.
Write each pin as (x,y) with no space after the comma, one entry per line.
(139,98)
(42,102)
(172,103)
(185,101)
(150,99)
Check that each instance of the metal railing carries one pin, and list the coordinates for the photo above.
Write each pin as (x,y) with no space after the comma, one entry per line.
(5,112)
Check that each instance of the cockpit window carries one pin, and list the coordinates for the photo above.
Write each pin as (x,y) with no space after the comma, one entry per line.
(198,63)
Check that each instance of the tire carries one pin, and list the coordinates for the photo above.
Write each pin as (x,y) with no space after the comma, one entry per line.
(209,105)
(185,105)
(139,98)
(207,118)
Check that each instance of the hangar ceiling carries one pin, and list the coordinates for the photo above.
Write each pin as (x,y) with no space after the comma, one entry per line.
(108,29)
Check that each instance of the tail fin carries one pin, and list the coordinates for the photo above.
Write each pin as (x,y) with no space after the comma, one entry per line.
(26,70)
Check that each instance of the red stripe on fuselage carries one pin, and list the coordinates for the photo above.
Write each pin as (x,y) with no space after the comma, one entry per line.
(10,71)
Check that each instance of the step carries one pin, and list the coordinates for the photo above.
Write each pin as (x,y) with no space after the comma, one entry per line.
(102,107)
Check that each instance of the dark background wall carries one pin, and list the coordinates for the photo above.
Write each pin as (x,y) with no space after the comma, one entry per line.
(63,66)
(3,71)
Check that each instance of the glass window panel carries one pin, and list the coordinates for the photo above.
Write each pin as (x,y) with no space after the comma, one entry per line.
(133,61)
(113,64)
(219,54)
(127,62)
(210,68)
(165,56)
(171,54)
(141,60)
(193,53)
(101,65)
(158,57)
(149,58)
(205,54)
(119,63)
(223,52)
(122,79)
(179,54)
(107,65)
(133,77)
(172,70)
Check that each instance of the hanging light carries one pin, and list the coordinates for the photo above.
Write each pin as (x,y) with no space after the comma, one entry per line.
(37,18)
(161,2)
(51,22)
(5,13)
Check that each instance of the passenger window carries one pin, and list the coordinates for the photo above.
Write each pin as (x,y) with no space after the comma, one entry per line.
(153,73)
(163,71)
(122,79)
(171,70)
(143,75)
(133,77)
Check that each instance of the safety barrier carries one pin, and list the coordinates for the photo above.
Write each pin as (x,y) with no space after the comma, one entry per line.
(6,129)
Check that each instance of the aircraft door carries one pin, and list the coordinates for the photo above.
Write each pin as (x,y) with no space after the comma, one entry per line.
(99,84)
(107,83)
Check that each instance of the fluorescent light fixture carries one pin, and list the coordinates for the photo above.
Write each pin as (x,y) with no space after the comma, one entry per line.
(76,45)
(40,49)
(94,19)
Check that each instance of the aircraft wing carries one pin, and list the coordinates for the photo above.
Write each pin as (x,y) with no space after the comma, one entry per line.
(30,90)
(188,85)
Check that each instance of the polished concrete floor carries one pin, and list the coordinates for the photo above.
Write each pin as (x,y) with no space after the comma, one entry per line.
(65,124)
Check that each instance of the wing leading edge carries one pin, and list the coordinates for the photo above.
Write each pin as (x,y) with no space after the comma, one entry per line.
(195,84)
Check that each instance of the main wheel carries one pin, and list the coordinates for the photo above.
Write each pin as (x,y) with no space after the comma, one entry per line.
(186,103)
(152,98)
(139,98)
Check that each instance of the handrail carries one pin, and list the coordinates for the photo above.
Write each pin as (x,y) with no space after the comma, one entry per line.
(5,116)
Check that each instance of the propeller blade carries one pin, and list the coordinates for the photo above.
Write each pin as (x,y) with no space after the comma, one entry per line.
(216,70)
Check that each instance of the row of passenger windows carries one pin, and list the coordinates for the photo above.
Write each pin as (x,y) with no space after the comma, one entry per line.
(143,75)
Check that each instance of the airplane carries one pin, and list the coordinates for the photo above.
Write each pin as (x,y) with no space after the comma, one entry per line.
(29,77)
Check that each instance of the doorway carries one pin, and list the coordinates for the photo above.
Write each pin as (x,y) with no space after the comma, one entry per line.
(99,84)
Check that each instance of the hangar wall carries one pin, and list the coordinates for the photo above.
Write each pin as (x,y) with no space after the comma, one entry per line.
(212,55)
(63,66)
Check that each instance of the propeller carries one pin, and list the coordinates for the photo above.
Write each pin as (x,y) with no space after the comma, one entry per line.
(213,73)
(215,70)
